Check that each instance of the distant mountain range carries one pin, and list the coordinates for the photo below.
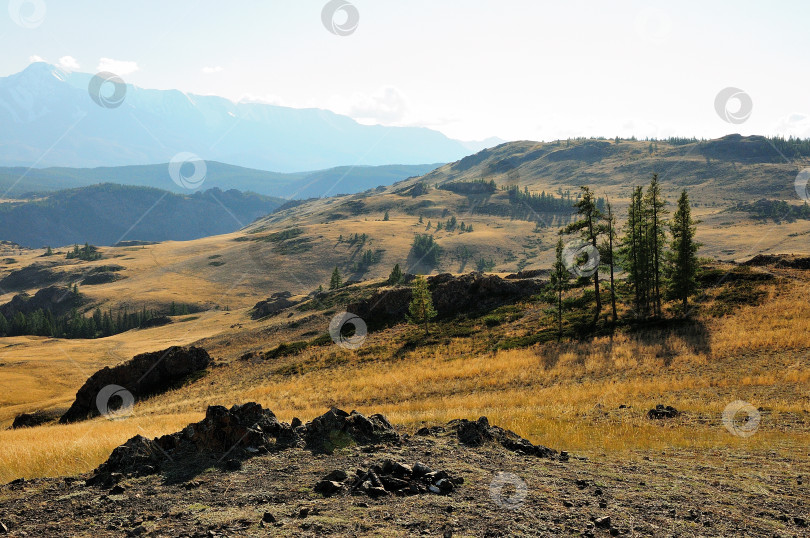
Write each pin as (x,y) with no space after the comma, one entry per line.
(106,214)
(48,118)
(21,181)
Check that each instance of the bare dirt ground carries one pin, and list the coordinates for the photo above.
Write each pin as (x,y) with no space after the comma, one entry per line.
(730,492)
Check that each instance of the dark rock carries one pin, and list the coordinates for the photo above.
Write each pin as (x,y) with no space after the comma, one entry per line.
(273,305)
(662,412)
(336,429)
(800,521)
(477,433)
(268,518)
(117,490)
(327,488)
(233,464)
(295,422)
(376,492)
(473,292)
(603,522)
(420,469)
(145,375)
(157,321)
(337,475)
(222,431)
(30,420)
(104,277)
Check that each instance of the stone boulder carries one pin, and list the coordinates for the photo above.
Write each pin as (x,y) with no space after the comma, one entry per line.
(238,432)
(272,305)
(662,411)
(30,420)
(144,375)
(452,295)
(479,432)
(337,428)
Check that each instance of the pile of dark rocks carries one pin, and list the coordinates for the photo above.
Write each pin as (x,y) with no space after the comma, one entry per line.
(389,478)
(662,412)
(232,435)
(477,433)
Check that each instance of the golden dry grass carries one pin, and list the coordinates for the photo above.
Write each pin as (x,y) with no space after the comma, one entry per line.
(562,395)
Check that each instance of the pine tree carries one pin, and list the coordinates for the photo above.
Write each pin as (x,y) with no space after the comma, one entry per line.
(421,309)
(386,216)
(421,220)
(634,251)
(608,255)
(335,282)
(656,207)
(560,278)
(396,276)
(682,266)
(589,229)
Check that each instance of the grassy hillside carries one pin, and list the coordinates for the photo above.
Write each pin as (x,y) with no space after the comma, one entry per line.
(106,214)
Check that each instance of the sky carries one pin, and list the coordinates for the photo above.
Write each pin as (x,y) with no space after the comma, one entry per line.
(472,69)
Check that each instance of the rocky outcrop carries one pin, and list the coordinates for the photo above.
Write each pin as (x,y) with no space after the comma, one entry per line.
(337,428)
(779,260)
(473,292)
(662,411)
(145,375)
(30,420)
(479,432)
(272,305)
(230,435)
(57,300)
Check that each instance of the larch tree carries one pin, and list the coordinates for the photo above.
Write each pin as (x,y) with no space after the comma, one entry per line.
(683,263)
(589,229)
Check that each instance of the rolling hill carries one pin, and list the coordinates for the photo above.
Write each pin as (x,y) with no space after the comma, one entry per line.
(21,181)
(106,214)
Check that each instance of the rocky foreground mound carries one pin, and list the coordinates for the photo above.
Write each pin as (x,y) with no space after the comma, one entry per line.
(228,436)
(239,472)
(145,375)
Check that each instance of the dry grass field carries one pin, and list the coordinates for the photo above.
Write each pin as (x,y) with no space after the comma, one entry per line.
(567,395)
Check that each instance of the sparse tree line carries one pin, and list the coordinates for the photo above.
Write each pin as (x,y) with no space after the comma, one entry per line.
(86,253)
(658,255)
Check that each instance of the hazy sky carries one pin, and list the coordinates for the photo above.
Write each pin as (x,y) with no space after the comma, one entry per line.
(469,68)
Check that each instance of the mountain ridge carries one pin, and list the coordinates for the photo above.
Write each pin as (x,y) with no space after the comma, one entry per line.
(54,122)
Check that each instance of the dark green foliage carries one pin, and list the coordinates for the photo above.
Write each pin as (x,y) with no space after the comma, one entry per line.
(335,282)
(367,259)
(421,310)
(396,276)
(87,253)
(589,229)
(560,278)
(777,210)
(426,250)
(283,235)
(541,203)
(682,259)
(484,265)
(74,325)
(478,186)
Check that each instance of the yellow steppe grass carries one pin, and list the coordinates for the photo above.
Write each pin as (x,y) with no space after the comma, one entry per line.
(565,396)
